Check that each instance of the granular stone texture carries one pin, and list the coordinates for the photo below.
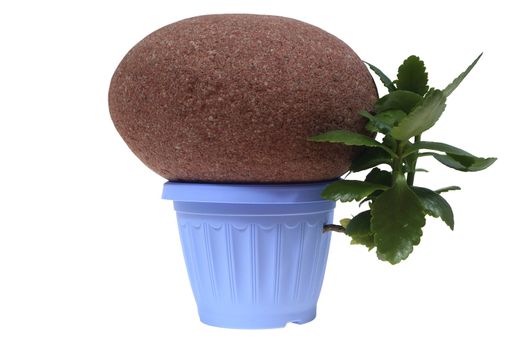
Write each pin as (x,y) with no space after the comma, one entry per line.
(233,98)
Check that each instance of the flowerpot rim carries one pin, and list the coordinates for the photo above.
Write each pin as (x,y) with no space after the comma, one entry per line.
(258,193)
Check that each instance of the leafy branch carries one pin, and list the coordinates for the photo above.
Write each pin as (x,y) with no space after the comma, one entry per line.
(397,209)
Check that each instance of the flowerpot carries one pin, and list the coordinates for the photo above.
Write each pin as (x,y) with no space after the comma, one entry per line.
(255,254)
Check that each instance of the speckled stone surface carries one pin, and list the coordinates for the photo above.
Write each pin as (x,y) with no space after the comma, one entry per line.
(232,98)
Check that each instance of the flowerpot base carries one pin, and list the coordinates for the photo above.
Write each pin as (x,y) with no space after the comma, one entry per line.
(251,321)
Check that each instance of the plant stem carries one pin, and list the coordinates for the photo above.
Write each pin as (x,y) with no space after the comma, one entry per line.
(412,172)
(397,164)
(335,228)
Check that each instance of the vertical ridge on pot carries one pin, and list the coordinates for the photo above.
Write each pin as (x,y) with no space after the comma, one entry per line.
(209,255)
(277,265)
(230,264)
(254,267)
(322,265)
(300,256)
(316,258)
(190,254)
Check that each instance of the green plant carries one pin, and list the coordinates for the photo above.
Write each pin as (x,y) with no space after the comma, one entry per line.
(397,209)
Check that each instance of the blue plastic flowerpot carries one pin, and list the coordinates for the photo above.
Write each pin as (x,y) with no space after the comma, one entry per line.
(255,254)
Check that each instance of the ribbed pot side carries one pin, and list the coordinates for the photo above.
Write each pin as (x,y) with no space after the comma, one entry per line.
(255,265)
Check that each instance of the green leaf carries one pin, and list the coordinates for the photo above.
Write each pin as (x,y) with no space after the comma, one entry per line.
(412,76)
(377,176)
(408,167)
(371,125)
(383,121)
(349,138)
(359,225)
(399,99)
(344,222)
(391,117)
(435,146)
(452,86)
(359,230)
(366,114)
(447,189)
(464,163)
(368,198)
(350,190)
(422,118)
(367,241)
(455,158)
(384,79)
(380,177)
(435,205)
(369,158)
(389,142)
(374,125)
(397,219)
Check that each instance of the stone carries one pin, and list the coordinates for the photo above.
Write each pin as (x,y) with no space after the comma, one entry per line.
(233,98)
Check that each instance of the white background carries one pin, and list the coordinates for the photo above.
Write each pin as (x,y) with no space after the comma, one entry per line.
(89,253)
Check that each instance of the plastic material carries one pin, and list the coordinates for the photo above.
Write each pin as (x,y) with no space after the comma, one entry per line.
(255,254)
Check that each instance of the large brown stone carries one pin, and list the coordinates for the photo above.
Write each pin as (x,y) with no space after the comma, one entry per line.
(232,98)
